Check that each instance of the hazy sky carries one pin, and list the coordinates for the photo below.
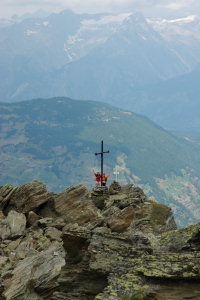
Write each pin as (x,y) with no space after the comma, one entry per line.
(163,8)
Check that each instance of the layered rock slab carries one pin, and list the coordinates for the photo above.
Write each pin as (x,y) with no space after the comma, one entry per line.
(25,198)
(37,272)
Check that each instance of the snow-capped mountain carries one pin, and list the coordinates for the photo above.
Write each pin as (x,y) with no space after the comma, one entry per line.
(92,33)
(183,34)
(102,56)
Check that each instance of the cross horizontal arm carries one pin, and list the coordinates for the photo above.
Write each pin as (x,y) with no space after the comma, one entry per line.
(102,152)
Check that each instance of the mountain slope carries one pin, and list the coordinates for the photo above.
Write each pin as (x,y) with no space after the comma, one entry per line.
(55,140)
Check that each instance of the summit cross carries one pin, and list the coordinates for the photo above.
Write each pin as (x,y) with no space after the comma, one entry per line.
(102,153)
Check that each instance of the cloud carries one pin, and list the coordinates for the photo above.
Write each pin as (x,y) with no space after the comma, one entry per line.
(9,7)
(178,4)
(175,5)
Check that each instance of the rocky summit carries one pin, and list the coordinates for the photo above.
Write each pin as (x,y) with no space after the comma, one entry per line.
(109,243)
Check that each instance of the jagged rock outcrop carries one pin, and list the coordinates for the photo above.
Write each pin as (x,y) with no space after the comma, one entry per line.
(29,197)
(105,244)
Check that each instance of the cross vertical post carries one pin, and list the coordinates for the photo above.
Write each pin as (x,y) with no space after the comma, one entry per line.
(102,153)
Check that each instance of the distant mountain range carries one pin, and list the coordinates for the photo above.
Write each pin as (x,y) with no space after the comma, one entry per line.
(54,140)
(174,103)
(123,59)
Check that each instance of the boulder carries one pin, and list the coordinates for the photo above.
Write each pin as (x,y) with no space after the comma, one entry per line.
(114,188)
(75,206)
(13,225)
(120,221)
(45,222)
(53,234)
(32,218)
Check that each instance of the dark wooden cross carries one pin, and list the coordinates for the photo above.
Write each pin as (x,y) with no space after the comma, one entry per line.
(102,153)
